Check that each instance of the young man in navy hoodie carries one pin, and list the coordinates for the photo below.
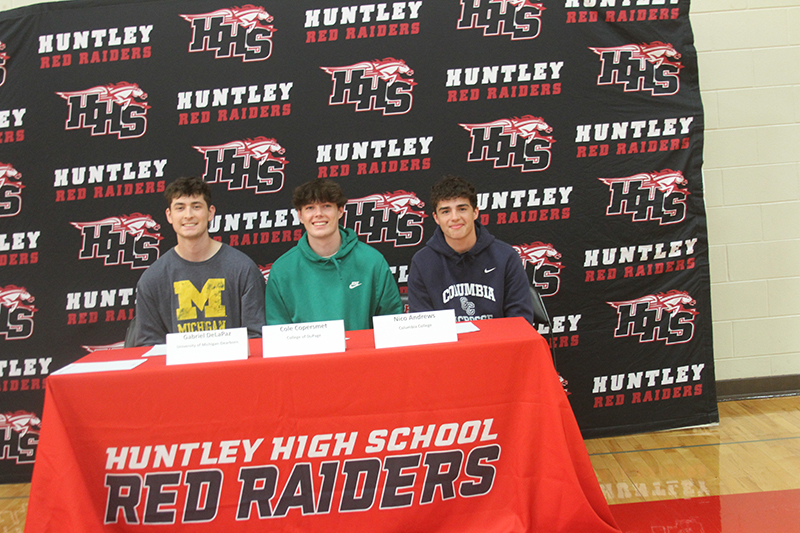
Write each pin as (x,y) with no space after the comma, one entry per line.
(463,267)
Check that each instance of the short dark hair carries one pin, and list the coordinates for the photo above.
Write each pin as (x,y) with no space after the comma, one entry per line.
(318,191)
(450,187)
(188,187)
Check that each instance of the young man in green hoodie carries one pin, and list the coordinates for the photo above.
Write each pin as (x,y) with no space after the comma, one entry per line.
(330,274)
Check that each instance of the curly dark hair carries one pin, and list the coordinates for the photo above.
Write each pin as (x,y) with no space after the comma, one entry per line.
(318,191)
(450,187)
(188,187)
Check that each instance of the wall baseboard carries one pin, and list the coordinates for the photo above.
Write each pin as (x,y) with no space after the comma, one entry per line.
(763,387)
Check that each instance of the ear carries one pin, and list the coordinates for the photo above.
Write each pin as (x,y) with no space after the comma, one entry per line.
(435,218)
(475,217)
(341,212)
(169,215)
(211,211)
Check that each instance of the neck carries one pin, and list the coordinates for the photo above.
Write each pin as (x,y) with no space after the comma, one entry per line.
(197,250)
(326,247)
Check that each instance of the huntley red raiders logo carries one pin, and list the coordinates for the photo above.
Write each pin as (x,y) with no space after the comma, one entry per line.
(649,196)
(521,19)
(641,67)
(10,189)
(20,431)
(383,85)
(248,164)
(123,240)
(3,58)
(388,217)
(16,313)
(233,32)
(265,270)
(546,267)
(663,317)
(512,142)
(118,108)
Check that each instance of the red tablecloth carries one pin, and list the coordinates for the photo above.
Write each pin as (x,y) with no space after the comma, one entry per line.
(476,435)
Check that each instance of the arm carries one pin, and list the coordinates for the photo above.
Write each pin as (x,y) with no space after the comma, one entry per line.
(517,296)
(389,298)
(276,312)
(150,329)
(252,302)
(418,298)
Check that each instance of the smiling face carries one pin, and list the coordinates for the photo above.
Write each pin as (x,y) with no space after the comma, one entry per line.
(456,217)
(321,220)
(190,216)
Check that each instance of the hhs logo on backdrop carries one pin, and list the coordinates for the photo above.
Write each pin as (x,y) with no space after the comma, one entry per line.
(16,313)
(119,108)
(649,196)
(521,19)
(123,240)
(388,217)
(384,85)
(255,164)
(512,142)
(233,32)
(641,67)
(663,316)
(10,191)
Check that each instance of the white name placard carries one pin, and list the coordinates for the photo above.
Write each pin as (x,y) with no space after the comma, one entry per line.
(207,346)
(411,329)
(303,339)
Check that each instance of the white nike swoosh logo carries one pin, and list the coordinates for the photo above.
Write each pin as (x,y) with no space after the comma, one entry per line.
(355,284)
(487,270)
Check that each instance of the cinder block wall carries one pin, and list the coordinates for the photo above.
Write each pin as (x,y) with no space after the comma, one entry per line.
(749,55)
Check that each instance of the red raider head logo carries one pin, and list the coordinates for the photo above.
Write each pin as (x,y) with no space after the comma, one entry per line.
(3,58)
(649,196)
(641,67)
(16,313)
(512,142)
(118,109)
(121,240)
(663,316)
(10,189)
(521,19)
(248,164)
(265,270)
(383,85)
(546,268)
(233,32)
(388,217)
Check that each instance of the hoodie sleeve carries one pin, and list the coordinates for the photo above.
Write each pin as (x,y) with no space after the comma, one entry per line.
(517,298)
(418,297)
(276,312)
(389,301)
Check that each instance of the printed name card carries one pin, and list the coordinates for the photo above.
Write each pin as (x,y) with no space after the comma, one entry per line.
(207,346)
(411,329)
(303,339)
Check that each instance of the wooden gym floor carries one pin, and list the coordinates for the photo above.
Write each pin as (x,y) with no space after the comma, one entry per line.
(742,476)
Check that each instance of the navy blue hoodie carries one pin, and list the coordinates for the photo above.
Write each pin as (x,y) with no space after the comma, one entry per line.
(487,281)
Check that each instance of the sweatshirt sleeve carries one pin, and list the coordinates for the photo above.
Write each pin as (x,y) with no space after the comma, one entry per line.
(389,300)
(150,328)
(418,297)
(517,298)
(276,312)
(253,302)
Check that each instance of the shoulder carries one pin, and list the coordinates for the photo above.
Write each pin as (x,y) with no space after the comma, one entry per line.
(287,261)
(159,269)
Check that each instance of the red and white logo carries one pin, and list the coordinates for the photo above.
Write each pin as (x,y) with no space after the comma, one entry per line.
(3,58)
(127,239)
(546,267)
(265,270)
(25,426)
(663,316)
(255,164)
(118,108)
(512,142)
(384,85)
(16,313)
(649,67)
(10,191)
(649,196)
(388,217)
(521,19)
(233,32)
